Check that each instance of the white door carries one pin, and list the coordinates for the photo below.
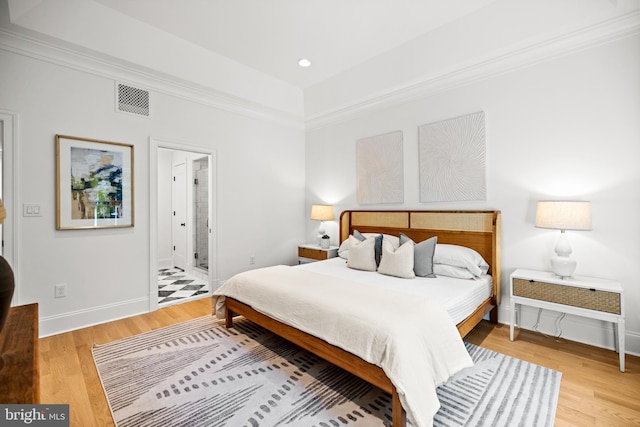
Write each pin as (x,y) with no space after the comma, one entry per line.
(179,225)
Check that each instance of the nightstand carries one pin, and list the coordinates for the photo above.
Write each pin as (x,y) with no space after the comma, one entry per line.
(582,296)
(312,252)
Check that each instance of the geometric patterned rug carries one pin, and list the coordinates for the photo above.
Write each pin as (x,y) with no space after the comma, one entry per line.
(174,284)
(499,391)
(198,373)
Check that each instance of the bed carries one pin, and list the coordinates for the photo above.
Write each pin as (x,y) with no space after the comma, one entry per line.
(478,230)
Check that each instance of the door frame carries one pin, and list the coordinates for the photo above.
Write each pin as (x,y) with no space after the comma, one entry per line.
(156,143)
(9,121)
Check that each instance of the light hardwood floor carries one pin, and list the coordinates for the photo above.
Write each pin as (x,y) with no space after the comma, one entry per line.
(593,392)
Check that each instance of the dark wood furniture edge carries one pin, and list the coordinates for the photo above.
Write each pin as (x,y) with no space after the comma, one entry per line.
(20,365)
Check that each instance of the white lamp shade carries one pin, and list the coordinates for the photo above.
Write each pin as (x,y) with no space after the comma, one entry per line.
(321,212)
(564,215)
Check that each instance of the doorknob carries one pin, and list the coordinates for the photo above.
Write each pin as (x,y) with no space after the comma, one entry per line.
(182,224)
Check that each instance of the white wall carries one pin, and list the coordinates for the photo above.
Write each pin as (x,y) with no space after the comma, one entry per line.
(260,189)
(564,128)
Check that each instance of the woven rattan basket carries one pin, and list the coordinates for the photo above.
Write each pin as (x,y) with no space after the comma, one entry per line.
(568,295)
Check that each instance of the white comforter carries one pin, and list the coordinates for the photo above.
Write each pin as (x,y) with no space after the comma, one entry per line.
(412,340)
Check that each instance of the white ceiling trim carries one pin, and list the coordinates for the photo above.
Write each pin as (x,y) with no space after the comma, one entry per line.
(54,53)
(492,65)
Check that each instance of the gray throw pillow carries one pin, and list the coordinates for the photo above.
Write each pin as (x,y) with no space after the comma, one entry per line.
(422,255)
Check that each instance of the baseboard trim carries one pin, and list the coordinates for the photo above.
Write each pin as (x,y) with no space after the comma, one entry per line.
(70,321)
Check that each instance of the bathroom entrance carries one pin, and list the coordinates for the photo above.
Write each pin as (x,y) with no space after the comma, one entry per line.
(183,257)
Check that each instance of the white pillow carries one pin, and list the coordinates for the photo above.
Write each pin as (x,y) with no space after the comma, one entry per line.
(452,271)
(460,256)
(362,254)
(343,250)
(397,262)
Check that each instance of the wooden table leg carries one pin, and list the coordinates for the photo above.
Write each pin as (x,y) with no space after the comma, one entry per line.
(620,336)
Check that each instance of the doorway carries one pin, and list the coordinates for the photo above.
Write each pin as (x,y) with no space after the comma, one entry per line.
(182,196)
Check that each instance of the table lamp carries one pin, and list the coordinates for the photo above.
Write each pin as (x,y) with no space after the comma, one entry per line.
(321,213)
(563,215)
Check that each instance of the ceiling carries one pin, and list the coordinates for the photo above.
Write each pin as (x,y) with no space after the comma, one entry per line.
(270,36)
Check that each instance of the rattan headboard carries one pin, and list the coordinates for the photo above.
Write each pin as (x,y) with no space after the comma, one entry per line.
(479,230)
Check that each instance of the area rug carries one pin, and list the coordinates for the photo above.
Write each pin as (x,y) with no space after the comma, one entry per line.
(198,373)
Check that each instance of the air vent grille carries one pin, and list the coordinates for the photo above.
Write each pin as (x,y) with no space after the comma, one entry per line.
(132,100)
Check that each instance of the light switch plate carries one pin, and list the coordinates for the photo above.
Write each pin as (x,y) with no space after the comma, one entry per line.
(31,210)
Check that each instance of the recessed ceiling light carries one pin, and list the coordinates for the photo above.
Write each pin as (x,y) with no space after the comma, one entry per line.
(304,62)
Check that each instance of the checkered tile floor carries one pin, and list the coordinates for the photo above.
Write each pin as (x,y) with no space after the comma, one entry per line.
(174,284)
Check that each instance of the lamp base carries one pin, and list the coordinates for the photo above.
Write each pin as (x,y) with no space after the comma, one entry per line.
(563,266)
(321,232)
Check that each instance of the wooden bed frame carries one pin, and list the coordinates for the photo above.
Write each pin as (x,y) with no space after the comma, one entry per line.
(479,230)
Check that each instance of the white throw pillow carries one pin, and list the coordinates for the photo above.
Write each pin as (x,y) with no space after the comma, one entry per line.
(343,250)
(452,271)
(362,254)
(460,256)
(397,262)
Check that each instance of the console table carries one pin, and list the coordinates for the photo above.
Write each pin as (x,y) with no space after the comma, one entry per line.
(19,371)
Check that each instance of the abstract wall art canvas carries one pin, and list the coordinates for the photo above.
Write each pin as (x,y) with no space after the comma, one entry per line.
(94,183)
(452,159)
(379,171)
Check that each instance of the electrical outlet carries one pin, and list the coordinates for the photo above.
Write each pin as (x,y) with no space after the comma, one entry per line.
(61,291)
(252,259)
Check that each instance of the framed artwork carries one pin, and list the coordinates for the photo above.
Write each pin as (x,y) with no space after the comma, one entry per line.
(379,169)
(94,183)
(452,159)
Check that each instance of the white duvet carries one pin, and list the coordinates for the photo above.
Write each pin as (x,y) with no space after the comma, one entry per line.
(412,340)
(460,297)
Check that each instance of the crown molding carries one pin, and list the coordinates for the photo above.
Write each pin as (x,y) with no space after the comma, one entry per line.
(523,55)
(113,69)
